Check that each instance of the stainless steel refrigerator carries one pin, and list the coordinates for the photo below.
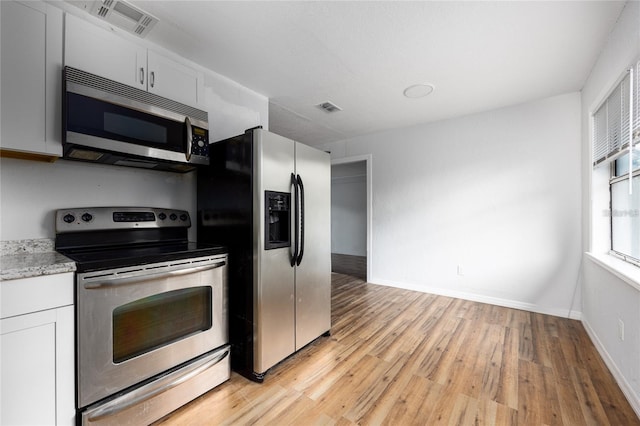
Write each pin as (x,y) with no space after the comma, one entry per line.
(267,199)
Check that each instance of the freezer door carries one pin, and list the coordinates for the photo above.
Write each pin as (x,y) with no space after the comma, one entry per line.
(274,292)
(313,274)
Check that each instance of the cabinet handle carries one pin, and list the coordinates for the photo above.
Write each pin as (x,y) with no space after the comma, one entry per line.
(141,75)
(152,79)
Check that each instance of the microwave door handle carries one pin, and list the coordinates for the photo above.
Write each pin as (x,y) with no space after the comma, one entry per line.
(187,123)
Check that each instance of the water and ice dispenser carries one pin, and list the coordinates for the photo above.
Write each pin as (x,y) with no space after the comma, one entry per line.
(277,220)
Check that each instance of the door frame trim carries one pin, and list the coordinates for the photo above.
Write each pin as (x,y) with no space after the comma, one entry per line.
(368,159)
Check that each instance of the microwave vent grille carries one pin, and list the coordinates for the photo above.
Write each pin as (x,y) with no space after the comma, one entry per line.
(86,79)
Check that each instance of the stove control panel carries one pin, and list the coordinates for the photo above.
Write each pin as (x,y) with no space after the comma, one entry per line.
(105,218)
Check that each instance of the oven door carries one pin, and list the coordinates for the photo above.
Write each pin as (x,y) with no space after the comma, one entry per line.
(137,322)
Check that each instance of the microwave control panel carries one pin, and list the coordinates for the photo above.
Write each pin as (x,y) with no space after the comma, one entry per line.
(200,142)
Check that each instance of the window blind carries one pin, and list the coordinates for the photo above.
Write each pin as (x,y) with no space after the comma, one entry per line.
(617,120)
(636,104)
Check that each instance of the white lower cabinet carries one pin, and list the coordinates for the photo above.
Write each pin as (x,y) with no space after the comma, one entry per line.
(37,364)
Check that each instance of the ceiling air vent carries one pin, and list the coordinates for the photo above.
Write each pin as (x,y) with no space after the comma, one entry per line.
(121,14)
(329,106)
(102,12)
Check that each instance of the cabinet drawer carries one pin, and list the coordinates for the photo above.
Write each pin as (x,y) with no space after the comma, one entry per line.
(26,295)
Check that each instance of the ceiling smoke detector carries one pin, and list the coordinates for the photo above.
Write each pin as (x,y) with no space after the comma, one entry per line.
(121,14)
(329,106)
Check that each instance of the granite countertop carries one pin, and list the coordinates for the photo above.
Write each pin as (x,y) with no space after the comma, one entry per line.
(31,258)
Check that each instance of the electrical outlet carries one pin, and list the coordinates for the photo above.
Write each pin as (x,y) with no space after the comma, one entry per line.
(460,271)
(620,329)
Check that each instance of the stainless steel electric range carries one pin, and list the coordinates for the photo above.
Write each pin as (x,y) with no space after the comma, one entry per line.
(151,312)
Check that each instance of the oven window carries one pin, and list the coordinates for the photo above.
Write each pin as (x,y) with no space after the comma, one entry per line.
(150,323)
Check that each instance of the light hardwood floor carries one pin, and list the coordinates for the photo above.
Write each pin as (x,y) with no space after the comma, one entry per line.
(399,357)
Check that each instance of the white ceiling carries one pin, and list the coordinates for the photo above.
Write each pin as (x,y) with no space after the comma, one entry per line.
(362,55)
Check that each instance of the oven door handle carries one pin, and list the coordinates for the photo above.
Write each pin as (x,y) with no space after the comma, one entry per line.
(116,280)
(144,393)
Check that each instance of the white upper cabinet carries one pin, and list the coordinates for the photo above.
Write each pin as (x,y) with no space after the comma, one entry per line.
(98,51)
(173,80)
(31,66)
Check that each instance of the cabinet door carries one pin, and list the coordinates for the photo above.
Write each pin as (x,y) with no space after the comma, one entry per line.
(31,65)
(38,368)
(98,51)
(173,80)
(29,369)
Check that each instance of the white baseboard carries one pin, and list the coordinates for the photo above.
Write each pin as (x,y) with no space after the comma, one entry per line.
(626,388)
(564,313)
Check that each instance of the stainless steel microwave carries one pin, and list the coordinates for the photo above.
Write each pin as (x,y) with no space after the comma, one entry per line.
(109,122)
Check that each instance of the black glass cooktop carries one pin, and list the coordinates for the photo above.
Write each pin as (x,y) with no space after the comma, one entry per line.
(130,255)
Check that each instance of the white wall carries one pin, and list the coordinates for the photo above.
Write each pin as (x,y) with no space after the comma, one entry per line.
(232,108)
(496,193)
(349,208)
(606,297)
(31,191)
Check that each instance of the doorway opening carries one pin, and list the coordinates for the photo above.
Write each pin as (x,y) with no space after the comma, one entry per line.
(351,216)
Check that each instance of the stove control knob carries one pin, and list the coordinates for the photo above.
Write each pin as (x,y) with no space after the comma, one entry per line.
(173,216)
(69,218)
(162,216)
(87,217)
(184,217)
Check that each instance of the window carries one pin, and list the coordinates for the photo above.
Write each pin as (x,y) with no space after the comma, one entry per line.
(616,144)
(625,208)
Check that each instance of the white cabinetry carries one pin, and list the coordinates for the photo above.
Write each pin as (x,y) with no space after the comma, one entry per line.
(98,51)
(173,80)
(37,351)
(30,91)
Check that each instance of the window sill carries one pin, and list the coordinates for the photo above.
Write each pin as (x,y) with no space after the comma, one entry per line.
(625,271)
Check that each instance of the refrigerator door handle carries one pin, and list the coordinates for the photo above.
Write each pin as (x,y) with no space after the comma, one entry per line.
(301,221)
(296,220)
